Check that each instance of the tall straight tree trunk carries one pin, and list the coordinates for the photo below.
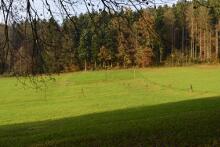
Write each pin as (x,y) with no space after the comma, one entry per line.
(85,65)
(210,45)
(191,42)
(200,44)
(172,39)
(20,64)
(95,64)
(192,49)
(204,44)
(196,38)
(216,44)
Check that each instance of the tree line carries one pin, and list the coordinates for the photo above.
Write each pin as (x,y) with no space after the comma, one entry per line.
(182,34)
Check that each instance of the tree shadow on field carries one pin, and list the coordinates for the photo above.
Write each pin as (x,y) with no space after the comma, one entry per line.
(185,123)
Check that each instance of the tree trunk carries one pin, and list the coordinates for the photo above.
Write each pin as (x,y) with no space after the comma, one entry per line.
(85,65)
(191,48)
(95,65)
(210,45)
(172,39)
(195,47)
(200,44)
(204,45)
(192,42)
(216,44)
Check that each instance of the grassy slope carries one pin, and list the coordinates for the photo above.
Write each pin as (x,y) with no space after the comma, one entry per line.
(114,109)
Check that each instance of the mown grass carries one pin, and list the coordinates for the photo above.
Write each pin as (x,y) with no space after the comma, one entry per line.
(148,107)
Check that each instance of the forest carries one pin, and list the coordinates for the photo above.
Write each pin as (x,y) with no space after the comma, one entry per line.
(182,34)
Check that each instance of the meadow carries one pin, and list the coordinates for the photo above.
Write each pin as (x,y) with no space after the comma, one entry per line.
(177,106)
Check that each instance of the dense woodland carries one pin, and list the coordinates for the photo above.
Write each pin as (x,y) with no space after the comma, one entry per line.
(182,34)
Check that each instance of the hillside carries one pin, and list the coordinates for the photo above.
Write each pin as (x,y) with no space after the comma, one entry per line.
(155,106)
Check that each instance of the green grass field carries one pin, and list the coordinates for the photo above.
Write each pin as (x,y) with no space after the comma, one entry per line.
(149,107)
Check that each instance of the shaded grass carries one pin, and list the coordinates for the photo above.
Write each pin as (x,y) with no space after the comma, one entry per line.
(186,123)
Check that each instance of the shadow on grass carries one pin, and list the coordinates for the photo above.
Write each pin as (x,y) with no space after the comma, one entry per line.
(186,123)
